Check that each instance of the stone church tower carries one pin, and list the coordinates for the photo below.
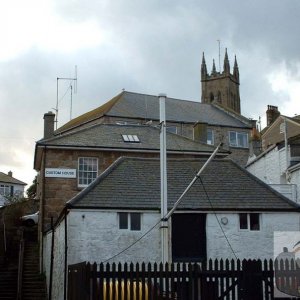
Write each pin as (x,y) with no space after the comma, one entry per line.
(222,88)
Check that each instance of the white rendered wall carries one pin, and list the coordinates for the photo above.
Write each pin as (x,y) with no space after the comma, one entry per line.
(47,257)
(18,190)
(295,179)
(247,244)
(95,236)
(58,262)
(267,168)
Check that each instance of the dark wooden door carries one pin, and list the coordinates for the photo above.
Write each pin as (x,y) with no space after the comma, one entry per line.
(189,237)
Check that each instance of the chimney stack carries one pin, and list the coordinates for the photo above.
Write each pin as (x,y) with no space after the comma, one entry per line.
(48,124)
(272,114)
(10,173)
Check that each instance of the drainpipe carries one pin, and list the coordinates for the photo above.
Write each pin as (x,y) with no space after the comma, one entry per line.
(163,180)
(286,150)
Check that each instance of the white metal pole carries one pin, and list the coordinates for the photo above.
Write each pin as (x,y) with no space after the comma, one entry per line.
(286,149)
(163,180)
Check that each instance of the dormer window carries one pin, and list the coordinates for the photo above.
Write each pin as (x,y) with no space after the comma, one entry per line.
(130,138)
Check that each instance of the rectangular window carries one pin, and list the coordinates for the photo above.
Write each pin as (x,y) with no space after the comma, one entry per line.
(243,221)
(254,222)
(123,220)
(210,137)
(172,129)
(130,221)
(5,190)
(238,139)
(249,221)
(130,138)
(135,221)
(87,170)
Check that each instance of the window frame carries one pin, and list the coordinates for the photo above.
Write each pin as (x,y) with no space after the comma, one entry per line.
(236,143)
(5,190)
(212,136)
(171,129)
(130,219)
(81,172)
(130,138)
(249,219)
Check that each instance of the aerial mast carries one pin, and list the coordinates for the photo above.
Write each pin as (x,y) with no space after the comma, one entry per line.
(72,80)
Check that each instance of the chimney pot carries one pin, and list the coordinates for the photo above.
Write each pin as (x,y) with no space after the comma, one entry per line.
(272,114)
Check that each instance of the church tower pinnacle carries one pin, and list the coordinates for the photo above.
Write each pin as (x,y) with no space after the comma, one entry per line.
(203,68)
(221,87)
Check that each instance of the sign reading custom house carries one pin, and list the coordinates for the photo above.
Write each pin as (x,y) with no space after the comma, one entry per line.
(60,173)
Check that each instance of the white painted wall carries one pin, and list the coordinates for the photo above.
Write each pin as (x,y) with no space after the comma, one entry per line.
(18,190)
(295,179)
(59,261)
(97,237)
(247,244)
(271,168)
(267,168)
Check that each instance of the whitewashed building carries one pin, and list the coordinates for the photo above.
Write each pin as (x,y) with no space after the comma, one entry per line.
(279,166)
(228,213)
(10,186)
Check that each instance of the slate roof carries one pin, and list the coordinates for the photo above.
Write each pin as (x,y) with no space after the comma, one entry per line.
(110,136)
(4,178)
(134,183)
(146,107)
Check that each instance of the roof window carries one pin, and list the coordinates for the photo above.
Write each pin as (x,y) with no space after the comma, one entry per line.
(130,138)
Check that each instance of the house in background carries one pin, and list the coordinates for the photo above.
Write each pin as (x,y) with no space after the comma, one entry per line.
(10,187)
(274,132)
(206,122)
(227,213)
(279,166)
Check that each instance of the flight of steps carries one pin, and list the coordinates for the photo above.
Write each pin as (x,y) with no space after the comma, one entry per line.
(33,284)
(8,280)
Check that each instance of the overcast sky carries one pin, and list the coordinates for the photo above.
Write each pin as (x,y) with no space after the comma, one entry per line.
(148,46)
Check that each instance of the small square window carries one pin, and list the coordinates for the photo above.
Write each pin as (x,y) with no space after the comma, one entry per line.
(134,219)
(250,221)
(238,139)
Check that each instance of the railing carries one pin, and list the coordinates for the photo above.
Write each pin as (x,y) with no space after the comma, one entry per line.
(218,279)
(20,267)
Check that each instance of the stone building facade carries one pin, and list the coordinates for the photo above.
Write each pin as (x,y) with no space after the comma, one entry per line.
(221,87)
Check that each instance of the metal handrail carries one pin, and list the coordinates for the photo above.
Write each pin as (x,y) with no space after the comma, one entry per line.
(20,266)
